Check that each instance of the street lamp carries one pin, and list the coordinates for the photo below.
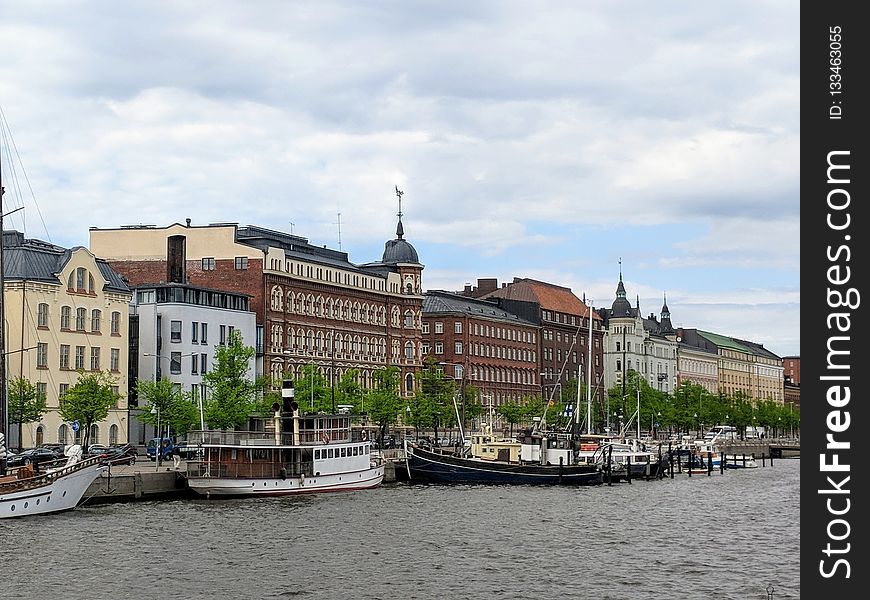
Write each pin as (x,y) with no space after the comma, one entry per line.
(198,396)
(461,392)
(158,452)
(697,427)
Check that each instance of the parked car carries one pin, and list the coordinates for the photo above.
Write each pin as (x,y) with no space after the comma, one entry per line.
(31,456)
(125,454)
(96,450)
(188,450)
(58,449)
(165,452)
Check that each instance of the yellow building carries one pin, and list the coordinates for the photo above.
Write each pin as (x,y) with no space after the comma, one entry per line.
(65,310)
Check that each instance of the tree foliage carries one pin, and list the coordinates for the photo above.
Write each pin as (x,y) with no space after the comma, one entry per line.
(89,400)
(178,411)
(232,393)
(383,402)
(25,403)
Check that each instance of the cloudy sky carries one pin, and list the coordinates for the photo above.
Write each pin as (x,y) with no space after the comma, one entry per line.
(531,139)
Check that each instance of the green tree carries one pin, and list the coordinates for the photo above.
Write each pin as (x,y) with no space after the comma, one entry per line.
(473,404)
(312,391)
(25,403)
(233,395)
(432,406)
(348,391)
(89,400)
(383,402)
(511,412)
(177,410)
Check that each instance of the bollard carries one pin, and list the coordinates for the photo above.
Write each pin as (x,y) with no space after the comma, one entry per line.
(609,466)
(628,468)
(709,463)
(691,461)
(771,458)
(722,459)
(744,461)
(763,464)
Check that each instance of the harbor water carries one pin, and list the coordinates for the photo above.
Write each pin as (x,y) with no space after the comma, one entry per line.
(724,536)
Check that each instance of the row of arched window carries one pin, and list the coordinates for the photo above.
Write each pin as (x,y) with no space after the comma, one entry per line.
(81,281)
(345,310)
(65,435)
(503,375)
(364,377)
(314,341)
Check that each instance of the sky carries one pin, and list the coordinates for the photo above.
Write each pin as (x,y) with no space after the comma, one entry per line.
(548,140)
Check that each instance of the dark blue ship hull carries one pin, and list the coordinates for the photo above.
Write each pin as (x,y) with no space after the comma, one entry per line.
(425,465)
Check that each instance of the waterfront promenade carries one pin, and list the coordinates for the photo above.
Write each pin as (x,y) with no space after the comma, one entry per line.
(147,481)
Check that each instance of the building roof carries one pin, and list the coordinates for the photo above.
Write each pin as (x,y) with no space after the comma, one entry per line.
(35,260)
(550,296)
(442,302)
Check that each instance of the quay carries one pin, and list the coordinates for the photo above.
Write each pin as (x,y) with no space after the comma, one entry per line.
(146,481)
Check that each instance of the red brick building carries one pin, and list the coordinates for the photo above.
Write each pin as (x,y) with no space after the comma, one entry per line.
(564,323)
(313,305)
(480,343)
(791,369)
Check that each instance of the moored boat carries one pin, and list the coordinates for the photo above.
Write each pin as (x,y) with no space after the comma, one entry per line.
(293,454)
(24,491)
(543,459)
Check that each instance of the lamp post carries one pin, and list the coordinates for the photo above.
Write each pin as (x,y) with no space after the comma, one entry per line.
(697,428)
(158,452)
(198,396)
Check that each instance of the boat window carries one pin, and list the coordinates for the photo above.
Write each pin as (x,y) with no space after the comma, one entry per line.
(355,450)
(316,454)
(330,453)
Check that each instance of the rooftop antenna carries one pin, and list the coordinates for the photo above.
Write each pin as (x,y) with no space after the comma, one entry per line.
(339,230)
(292,224)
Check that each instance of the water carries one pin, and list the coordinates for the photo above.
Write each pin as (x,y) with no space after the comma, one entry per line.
(719,537)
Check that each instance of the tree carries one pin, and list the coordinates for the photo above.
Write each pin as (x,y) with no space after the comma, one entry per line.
(176,408)
(512,413)
(89,400)
(26,404)
(233,396)
(433,403)
(383,402)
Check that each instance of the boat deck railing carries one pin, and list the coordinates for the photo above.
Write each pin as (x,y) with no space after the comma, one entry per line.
(17,482)
(268,438)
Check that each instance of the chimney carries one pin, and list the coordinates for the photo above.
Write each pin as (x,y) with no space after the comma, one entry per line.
(176,259)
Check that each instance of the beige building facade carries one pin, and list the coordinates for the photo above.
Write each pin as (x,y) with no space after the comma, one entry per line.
(66,312)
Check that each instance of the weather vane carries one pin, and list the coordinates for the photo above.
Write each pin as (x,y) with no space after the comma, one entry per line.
(400,193)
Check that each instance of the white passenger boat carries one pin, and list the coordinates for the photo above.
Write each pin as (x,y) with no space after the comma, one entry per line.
(293,454)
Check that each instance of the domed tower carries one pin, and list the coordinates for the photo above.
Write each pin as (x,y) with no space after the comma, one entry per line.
(402,255)
(667,328)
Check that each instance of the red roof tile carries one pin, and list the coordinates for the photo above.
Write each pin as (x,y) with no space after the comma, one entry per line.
(549,296)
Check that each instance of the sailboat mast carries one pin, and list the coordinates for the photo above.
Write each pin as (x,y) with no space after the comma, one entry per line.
(4,412)
(589,374)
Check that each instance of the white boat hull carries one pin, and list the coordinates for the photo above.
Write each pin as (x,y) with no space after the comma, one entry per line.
(62,493)
(230,486)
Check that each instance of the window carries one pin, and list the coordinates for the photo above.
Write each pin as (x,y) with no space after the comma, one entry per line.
(116,323)
(439,327)
(457,327)
(208,264)
(223,335)
(409,351)
(95,359)
(425,327)
(64,317)
(175,331)
(62,389)
(194,365)
(439,348)
(115,360)
(457,372)
(64,356)
(81,313)
(175,363)
(194,332)
(80,278)
(409,319)
(42,315)
(204,337)
(203,364)
(424,348)
(241,263)
(96,317)
(457,347)
(80,357)
(41,355)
